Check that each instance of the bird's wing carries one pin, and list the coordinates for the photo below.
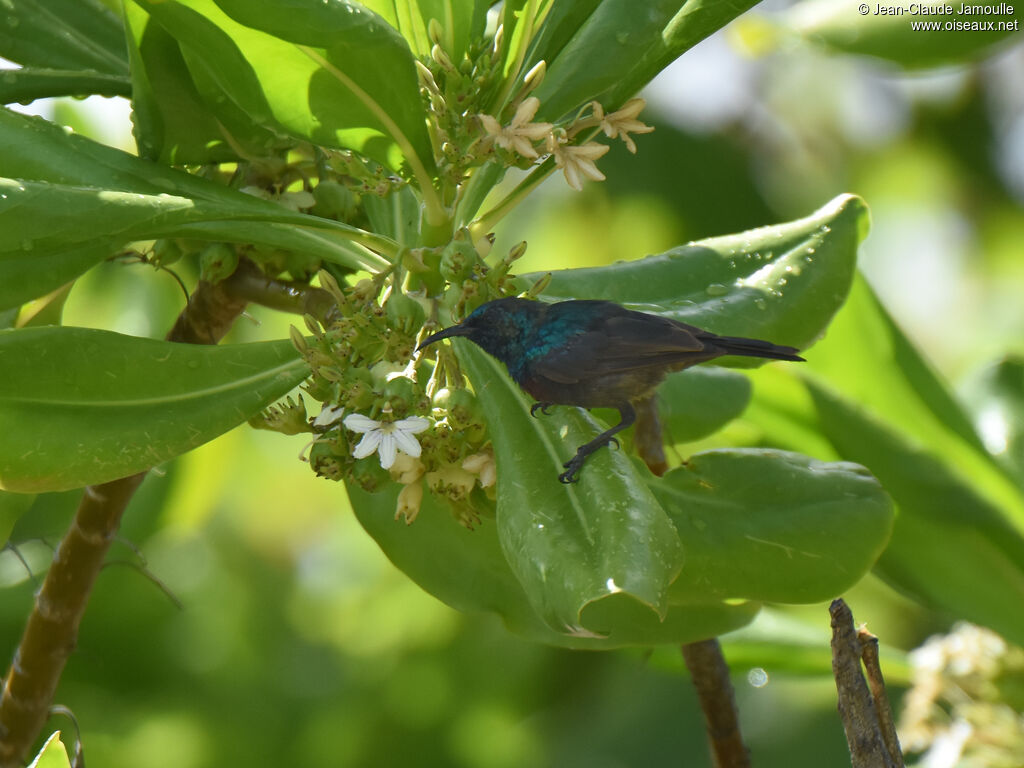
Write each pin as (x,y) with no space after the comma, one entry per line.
(622,340)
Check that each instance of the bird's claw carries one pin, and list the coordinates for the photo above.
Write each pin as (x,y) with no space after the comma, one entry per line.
(572,469)
(575,464)
(544,408)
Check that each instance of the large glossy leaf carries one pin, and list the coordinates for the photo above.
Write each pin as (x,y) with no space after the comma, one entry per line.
(80,406)
(570,545)
(951,548)
(782,283)
(63,34)
(107,198)
(468,571)
(696,402)
(333,73)
(616,50)
(171,120)
(869,361)
(773,526)
(840,25)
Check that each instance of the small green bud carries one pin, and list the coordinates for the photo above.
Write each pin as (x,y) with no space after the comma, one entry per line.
(402,394)
(334,201)
(426,77)
(298,340)
(435,31)
(403,312)
(166,252)
(217,262)
(458,260)
(438,55)
(327,462)
(534,77)
(370,475)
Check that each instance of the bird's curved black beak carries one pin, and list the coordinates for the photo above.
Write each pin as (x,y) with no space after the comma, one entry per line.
(447,333)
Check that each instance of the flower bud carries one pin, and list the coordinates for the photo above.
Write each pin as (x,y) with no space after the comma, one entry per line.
(409,501)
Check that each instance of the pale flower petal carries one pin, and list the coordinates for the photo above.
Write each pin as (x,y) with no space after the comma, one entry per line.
(368,444)
(329,414)
(387,450)
(577,162)
(406,442)
(518,136)
(491,125)
(414,424)
(359,423)
(526,111)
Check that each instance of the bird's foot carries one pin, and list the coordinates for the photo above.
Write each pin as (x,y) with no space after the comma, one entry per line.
(544,408)
(575,464)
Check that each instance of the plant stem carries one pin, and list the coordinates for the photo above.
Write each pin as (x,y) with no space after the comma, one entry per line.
(858,710)
(51,632)
(488,221)
(296,298)
(710,676)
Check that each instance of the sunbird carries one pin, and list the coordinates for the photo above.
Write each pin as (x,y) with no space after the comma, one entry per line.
(593,354)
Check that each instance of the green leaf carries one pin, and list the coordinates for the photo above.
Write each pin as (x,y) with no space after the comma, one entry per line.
(951,548)
(869,361)
(468,571)
(996,400)
(397,215)
(63,34)
(333,73)
(28,84)
(80,406)
(782,283)
(570,545)
(773,526)
(53,754)
(697,402)
(171,119)
(12,507)
(39,252)
(617,50)
(108,198)
(841,27)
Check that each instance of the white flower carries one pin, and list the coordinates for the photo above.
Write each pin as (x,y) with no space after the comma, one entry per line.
(577,162)
(329,415)
(386,437)
(623,122)
(520,134)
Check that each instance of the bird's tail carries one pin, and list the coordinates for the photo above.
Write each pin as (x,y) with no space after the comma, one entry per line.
(737,345)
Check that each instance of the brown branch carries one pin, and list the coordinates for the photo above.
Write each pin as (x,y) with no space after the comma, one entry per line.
(249,283)
(717,700)
(650,446)
(52,629)
(876,683)
(857,707)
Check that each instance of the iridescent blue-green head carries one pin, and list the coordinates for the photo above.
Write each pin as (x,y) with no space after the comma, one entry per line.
(501,327)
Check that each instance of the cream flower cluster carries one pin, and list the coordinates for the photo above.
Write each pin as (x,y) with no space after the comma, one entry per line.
(577,161)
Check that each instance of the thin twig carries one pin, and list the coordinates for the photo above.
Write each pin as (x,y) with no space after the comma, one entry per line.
(710,676)
(876,683)
(857,709)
